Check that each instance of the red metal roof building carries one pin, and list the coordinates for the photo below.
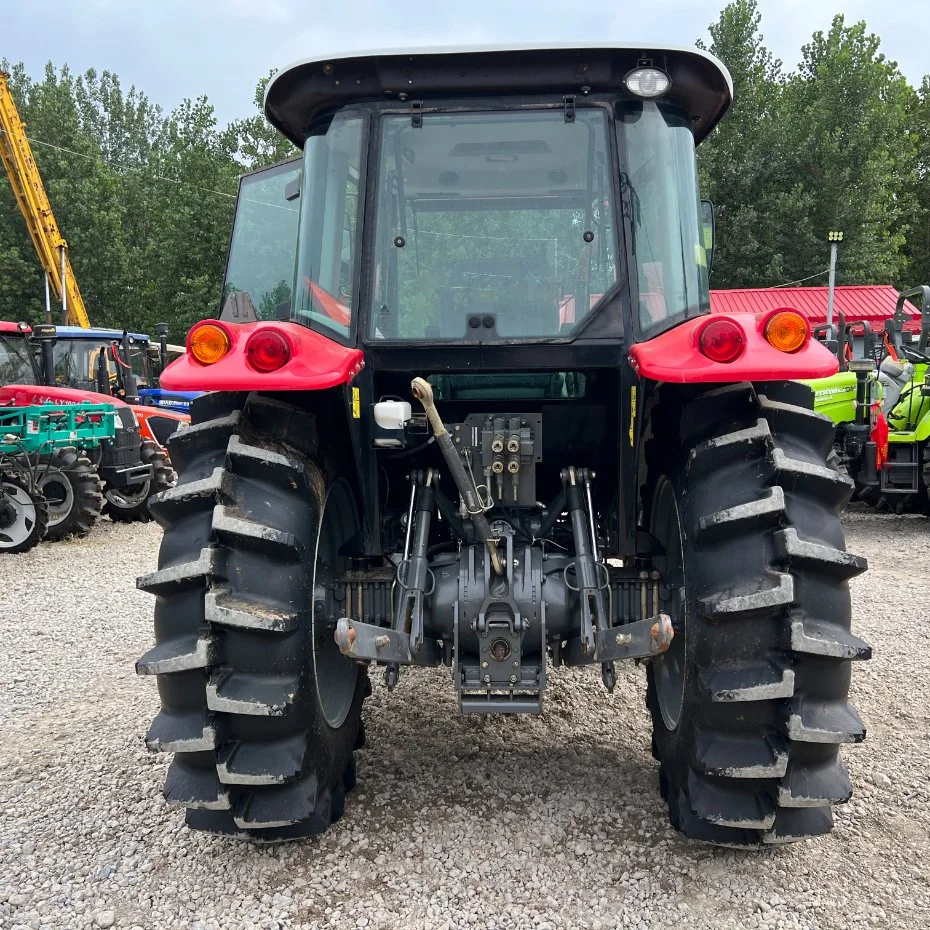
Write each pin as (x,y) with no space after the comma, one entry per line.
(872,303)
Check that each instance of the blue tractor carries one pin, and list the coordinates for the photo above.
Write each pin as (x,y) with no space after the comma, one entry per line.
(116,362)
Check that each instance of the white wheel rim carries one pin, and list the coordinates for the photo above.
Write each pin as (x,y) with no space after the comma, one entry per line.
(23,524)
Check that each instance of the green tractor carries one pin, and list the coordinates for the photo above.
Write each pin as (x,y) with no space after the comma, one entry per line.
(881,405)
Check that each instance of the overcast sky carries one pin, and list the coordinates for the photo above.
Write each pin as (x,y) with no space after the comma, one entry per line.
(173,49)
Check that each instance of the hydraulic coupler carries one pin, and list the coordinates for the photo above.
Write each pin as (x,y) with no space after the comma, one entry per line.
(423,392)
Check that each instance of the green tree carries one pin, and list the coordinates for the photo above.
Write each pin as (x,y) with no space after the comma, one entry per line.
(193,200)
(253,140)
(918,245)
(850,154)
(736,161)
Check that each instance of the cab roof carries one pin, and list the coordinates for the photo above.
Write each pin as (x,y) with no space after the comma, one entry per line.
(701,84)
(79,332)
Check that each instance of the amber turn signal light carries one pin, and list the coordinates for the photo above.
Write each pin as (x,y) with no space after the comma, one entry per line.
(786,330)
(208,343)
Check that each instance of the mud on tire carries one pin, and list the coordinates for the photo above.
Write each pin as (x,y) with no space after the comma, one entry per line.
(765,647)
(260,750)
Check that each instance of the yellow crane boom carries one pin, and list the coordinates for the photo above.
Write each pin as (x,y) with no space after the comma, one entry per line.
(21,169)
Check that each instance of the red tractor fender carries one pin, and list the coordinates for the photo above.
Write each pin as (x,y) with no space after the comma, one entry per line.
(25,395)
(315,363)
(675,356)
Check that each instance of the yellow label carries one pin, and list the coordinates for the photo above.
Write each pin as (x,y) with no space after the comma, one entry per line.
(632,411)
(356,404)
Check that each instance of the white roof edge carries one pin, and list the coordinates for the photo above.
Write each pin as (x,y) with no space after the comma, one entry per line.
(506,47)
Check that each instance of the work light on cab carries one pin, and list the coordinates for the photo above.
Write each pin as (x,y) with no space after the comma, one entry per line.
(267,350)
(647,82)
(787,331)
(722,341)
(208,343)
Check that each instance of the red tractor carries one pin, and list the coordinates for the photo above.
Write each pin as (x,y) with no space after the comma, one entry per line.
(468,408)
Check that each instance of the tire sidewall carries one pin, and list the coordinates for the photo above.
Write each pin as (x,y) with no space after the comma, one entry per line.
(339,741)
(673,745)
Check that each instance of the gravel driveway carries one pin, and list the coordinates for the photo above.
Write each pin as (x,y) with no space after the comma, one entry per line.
(504,824)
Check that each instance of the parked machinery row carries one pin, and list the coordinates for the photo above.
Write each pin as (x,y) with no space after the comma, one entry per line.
(76,482)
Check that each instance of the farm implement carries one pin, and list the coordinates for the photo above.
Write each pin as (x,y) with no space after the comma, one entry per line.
(40,446)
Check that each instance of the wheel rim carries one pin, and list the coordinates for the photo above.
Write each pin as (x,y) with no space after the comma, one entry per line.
(669,668)
(58,494)
(334,675)
(19,516)
(125,499)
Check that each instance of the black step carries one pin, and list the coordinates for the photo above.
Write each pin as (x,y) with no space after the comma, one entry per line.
(762,754)
(179,655)
(728,803)
(799,823)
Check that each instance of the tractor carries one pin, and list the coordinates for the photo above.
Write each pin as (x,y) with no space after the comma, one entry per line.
(468,408)
(880,402)
(117,475)
(133,364)
(101,363)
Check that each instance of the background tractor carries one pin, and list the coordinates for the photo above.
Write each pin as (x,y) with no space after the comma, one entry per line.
(101,363)
(132,363)
(880,402)
(119,474)
(468,408)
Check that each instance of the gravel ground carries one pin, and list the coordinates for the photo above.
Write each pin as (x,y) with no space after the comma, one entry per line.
(505,824)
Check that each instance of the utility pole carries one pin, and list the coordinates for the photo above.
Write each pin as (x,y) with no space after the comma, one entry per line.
(834,237)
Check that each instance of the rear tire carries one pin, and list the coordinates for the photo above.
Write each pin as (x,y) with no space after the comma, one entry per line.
(261,710)
(74,496)
(131,505)
(759,669)
(23,515)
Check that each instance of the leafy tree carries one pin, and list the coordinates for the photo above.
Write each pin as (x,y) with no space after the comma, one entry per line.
(918,245)
(253,140)
(830,146)
(185,255)
(737,160)
(845,122)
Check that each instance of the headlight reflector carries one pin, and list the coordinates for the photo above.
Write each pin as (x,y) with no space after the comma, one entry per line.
(647,82)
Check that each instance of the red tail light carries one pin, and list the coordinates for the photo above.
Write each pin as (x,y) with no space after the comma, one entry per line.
(722,341)
(267,350)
